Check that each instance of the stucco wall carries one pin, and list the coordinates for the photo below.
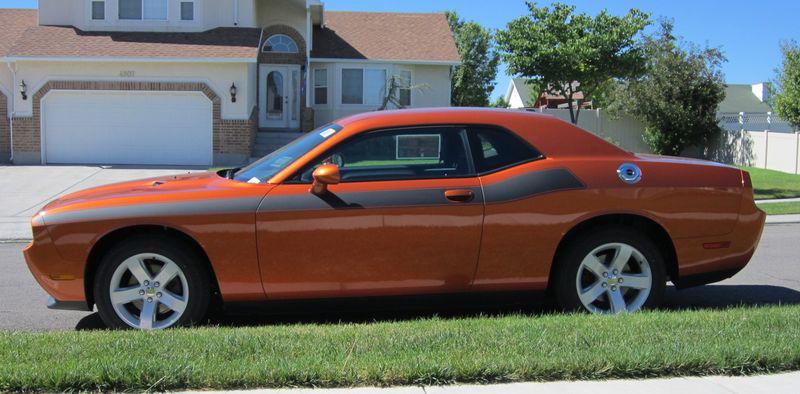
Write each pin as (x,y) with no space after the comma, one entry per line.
(282,12)
(433,88)
(218,76)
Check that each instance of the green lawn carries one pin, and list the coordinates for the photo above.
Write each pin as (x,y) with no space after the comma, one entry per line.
(771,184)
(781,208)
(429,351)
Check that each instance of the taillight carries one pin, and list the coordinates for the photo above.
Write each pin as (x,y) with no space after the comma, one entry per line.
(746,182)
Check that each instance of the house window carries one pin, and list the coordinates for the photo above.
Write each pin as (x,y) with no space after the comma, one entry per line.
(98,10)
(187,10)
(321,86)
(143,9)
(405,88)
(280,43)
(363,86)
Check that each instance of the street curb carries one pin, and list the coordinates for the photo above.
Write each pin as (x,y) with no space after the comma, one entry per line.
(15,241)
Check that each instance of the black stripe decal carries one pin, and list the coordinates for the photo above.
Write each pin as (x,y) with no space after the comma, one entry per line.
(198,207)
(531,184)
(363,200)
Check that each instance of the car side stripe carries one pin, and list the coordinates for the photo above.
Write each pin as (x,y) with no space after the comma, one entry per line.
(531,184)
(184,208)
(363,200)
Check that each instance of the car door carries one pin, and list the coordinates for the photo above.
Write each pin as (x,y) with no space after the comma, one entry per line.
(405,219)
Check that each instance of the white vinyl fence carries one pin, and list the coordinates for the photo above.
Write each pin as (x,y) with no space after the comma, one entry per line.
(750,139)
(761,140)
(626,132)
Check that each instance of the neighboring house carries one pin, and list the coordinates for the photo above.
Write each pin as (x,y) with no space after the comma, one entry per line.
(201,82)
(746,107)
(521,95)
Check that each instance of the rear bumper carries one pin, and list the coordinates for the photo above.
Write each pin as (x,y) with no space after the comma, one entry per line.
(699,265)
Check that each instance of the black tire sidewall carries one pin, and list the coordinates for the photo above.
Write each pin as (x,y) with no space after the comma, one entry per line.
(567,267)
(189,262)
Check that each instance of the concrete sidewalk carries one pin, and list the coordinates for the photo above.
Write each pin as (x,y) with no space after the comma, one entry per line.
(26,189)
(768,384)
(778,201)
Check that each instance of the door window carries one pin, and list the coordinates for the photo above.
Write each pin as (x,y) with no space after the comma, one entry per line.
(275,95)
(494,149)
(419,153)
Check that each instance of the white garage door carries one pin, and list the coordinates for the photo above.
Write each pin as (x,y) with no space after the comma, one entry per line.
(127,127)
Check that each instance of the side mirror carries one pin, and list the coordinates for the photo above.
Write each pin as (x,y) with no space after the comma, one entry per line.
(325,175)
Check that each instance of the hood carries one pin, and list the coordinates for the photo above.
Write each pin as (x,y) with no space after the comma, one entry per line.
(196,186)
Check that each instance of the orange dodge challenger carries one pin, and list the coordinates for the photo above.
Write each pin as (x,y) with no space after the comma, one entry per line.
(397,203)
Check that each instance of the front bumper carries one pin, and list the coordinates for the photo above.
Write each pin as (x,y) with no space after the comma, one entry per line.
(61,279)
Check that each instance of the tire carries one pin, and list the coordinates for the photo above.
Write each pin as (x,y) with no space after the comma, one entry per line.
(616,285)
(134,268)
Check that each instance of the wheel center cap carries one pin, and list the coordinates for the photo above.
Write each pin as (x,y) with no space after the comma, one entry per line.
(150,291)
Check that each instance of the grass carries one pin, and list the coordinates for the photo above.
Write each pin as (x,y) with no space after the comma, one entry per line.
(781,208)
(769,184)
(429,351)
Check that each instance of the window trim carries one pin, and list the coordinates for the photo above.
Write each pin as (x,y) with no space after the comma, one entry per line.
(180,10)
(541,156)
(294,179)
(263,47)
(91,11)
(364,68)
(142,19)
(327,87)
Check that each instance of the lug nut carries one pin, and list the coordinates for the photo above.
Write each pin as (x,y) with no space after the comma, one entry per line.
(149,299)
(619,280)
(156,284)
(141,292)
(605,284)
(613,288)
(147,283)
(605,274)
(158,295)
(616,272)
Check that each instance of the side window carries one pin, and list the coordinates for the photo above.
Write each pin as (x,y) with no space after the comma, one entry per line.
(493,149)
(420,153)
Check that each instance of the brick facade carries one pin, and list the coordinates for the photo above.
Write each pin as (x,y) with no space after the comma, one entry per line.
(5,130)
(231,138)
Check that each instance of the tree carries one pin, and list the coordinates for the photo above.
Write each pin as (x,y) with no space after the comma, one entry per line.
(787,91)
(473,79)
(554,48)
(678,96)
(500,103)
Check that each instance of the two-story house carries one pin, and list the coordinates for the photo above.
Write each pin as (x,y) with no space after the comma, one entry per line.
(202,82)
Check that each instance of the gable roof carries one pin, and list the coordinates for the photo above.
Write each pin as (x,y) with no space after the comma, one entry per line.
(63,41)
(13,23)
(740,98)
(385,36)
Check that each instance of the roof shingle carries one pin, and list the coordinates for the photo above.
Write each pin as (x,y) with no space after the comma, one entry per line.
(385,36)
(13,23)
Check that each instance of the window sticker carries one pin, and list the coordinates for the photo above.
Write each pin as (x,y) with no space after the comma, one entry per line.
(280,162)
(254,180)
(327,133)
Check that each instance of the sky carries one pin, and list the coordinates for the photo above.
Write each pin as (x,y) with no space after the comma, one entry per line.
(749,32)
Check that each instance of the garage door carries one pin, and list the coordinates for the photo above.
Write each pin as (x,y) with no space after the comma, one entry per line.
(125,127)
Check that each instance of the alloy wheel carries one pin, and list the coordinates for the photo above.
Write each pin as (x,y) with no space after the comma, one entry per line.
(614,278)
(149,291)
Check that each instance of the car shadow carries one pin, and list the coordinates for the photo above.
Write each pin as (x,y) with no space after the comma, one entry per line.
(389,309)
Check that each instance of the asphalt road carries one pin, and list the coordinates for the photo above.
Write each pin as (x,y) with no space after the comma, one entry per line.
(772,277)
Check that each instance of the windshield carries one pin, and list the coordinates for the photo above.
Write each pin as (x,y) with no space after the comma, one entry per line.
(262,170)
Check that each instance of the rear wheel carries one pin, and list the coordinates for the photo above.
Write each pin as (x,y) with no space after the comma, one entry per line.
(151,283)
(609,272)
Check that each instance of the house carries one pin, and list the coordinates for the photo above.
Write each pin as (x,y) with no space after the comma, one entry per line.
(746,106)
(202,82)
(521,95)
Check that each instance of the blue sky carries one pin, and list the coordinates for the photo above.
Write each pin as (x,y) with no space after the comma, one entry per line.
(749,32)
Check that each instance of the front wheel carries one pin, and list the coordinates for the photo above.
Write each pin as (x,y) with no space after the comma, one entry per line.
(150,283)
(610,272)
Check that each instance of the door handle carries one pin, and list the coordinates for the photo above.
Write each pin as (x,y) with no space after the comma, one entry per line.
(460,195)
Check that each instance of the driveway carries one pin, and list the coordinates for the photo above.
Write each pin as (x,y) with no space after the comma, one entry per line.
(28,189)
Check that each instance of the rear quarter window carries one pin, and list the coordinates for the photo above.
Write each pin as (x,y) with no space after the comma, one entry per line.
(494,149)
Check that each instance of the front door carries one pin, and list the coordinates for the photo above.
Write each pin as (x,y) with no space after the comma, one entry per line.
(406,219)
(279,96)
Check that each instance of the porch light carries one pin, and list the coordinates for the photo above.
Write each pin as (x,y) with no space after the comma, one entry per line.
(233,92)
(23,90)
